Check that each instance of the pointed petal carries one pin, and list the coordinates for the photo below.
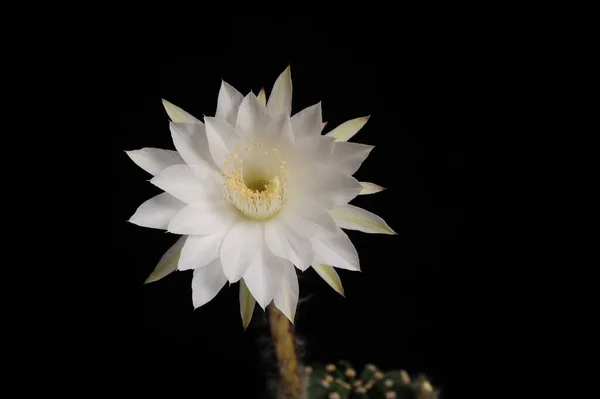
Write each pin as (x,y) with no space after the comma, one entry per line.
(200,250)
(354,218)
(280,99)
(192,144)
(247,303)
(370,188)
(347,157)
(154,160)
(228,103)
(157,212)
(308,122)
(307,218)
(336,250)
(346,130)
(262,97)
(222,139)
(286,298)
(330,276)
(263,277)
(168,262)
(182,182)
(278,132)
(288,244)
(207,282)
(333,188)
(203,219)
(252,117)
(177,114)
(243,246)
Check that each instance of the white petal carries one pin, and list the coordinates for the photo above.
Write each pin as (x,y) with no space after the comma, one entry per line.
(262,97)
(203,219)
(288,244)
(307,218)
(177,114)
(336,250)
(228,103)
(247,303)
(347,157)
(278,133)
(308,122)
(263,278)
(207,282)
(168,262)
(157,212)
(192,144)
(252,117)
(200,250)
(280,99)
(243,245)
(312,150)
(330,276)
(348,129)
(370,188)
(154,160)
(222,139)
(332,188)
(184,183)
(286,298)
(355,218)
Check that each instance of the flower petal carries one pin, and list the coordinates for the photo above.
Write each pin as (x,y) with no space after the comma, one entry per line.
(336,250)
(252,117)
(203,219)
(247,303)
(192,144)
(286,298)
(263,277)
(307,218)
(200,250)
(280,99)
(228,103)
(309,121)
(355,218)
(278,133)
(347,157)
(168,262)
(157,212)
(346,130)
(182,182)
(243,245)
(207,282)
(177,114)
(222,139)
(370,188)
(154,160)
(262,97)
(289,244)
(333,188)
(330,276)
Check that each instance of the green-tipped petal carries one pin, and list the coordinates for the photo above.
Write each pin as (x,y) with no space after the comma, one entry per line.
(354,218)
(246,304)
(370,188)
(280,99)
(177,114)
(330,276)
(346,130)
(262,97)
(168,262)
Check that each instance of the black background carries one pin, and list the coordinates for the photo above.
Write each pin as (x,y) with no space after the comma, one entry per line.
(403,310)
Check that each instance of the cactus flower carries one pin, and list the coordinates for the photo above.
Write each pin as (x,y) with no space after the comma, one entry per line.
(256,192)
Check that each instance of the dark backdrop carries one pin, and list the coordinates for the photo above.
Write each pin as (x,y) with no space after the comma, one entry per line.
(403,310)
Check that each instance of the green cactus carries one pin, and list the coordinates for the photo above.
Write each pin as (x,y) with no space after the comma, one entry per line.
(342,381)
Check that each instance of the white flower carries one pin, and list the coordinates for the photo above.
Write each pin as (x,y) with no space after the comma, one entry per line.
(254,192)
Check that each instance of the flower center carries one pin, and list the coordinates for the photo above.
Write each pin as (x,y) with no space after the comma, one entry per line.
(255,180)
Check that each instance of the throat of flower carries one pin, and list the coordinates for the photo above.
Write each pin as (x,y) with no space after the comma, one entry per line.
(255,183)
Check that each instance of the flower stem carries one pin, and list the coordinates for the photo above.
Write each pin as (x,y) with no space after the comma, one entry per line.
(292,385)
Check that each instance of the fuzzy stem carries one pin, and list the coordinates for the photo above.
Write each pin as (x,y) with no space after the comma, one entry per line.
(285,350)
